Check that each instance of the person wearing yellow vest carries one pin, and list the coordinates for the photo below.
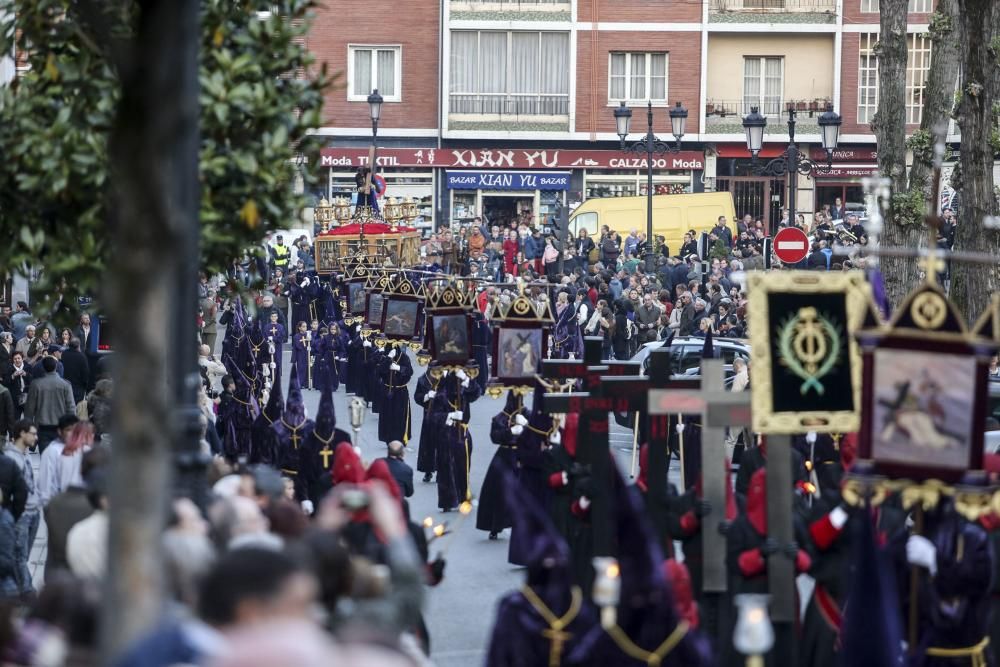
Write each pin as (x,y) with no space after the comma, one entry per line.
(280,254)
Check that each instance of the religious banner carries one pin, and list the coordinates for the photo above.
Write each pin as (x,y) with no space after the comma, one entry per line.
(925,382)
(449,326)
(402,313)
(375,301)
(806,364)
(520,338)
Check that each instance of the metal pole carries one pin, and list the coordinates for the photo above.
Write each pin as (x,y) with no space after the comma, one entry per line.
(793,168)
(649,189)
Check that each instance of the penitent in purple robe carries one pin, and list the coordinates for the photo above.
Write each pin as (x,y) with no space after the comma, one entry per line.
(394,415)
(454,456)
(521,634)
(492,515)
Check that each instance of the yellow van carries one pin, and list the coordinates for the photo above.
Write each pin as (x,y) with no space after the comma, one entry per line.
(672,215)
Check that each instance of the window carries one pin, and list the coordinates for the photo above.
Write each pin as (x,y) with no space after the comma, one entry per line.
(509,73)
(867,79)
(763,83)
(918,63)
(371,67)
(637,77)
(915,6)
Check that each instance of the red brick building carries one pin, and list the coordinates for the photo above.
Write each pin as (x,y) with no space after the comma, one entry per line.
(496,107)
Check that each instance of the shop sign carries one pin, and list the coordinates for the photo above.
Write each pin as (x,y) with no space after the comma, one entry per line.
(506,158)
(506,180)
(846,155)
(847,171)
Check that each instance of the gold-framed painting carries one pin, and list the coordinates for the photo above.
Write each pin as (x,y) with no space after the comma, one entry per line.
(806,371)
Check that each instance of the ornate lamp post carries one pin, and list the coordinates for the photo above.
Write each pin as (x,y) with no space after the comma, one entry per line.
(650,145)
(793,161)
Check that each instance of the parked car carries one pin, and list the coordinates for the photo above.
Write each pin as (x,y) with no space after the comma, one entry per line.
(685,353)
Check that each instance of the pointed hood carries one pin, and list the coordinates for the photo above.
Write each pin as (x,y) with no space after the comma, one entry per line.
(708,349)
(647,611)
(295,408)
(547,554)
(513,404)
(347,466)
(273,408)
(326,417)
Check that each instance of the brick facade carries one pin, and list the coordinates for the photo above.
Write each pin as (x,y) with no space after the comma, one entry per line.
(414,25)
(594,114)
(638,11)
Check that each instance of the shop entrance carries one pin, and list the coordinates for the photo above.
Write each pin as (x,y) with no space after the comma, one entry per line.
(502,209)
(849,193)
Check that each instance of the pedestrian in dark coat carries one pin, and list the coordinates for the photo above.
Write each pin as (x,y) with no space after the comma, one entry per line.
(76,370)
(505,429)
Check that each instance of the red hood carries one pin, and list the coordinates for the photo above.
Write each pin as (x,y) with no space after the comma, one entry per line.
(680,583)
(347,466)
(643,480)
(848,450)
(730,498)
(757,501)
(570,431)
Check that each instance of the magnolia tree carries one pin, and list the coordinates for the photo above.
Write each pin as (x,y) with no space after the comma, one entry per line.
(146,140)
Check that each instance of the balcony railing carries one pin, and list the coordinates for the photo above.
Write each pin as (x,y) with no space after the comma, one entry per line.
(727,115)
(509,104)
(774,6)
(513,4)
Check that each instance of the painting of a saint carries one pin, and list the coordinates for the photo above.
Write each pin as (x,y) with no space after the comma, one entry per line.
(451,339)
(400,318)
(356,298)
(520,353)
(923,406)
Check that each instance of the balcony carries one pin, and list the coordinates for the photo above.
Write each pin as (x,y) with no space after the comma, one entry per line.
(510,10)
(773,11)
(518,112)
(726,116)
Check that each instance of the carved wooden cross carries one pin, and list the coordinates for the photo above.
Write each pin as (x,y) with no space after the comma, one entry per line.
(718,408)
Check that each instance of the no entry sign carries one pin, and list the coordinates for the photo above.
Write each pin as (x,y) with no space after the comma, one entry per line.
(791,245)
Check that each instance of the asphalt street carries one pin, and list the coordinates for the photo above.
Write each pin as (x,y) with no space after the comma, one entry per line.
(459,611)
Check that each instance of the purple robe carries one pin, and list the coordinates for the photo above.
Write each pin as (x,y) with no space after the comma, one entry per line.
(517,635)
(532,473)
(566,338)
(455,445)
(301,357)
(492,514)
(394,414)
(427,451)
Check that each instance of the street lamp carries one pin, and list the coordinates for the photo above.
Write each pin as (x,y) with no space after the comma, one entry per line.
(793,161)
(650,145)
(375,109)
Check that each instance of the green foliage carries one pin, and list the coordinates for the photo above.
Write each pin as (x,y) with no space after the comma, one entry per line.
(922,144)
(908,207)
(940,26)
(56,120)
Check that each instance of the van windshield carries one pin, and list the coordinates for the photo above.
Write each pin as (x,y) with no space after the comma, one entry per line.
(586,221)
